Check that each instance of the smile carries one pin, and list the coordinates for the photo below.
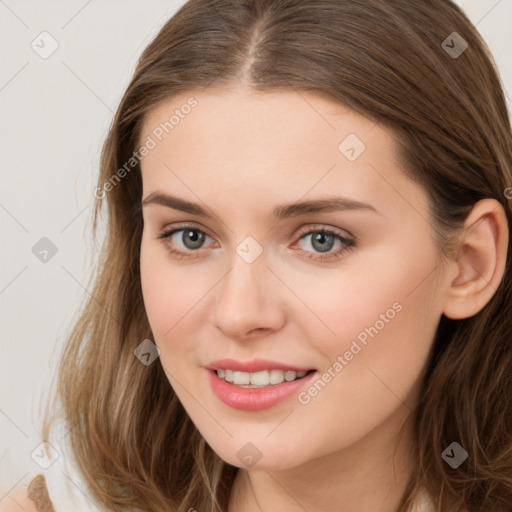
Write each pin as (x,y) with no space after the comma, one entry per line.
(244,395)
(259,379)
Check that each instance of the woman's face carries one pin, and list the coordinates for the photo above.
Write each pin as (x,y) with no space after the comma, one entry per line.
(256,279)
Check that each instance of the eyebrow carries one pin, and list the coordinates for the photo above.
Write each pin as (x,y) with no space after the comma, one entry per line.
(327,204)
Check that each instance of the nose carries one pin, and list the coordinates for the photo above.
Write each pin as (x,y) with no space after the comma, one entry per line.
(248,302)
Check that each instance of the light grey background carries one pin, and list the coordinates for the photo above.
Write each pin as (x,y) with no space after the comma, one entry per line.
(54,115)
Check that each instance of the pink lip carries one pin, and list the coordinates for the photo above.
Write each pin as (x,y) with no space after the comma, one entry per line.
(256,365)
(255,399)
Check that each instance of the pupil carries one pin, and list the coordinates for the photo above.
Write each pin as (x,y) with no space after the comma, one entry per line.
(321,237)
(196,239)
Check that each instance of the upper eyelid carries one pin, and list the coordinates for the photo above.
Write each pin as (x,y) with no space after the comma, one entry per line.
(174,229)
(326,228)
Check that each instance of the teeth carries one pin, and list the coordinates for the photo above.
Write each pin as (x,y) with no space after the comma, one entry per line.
(289,376)
(241,378)
(259,379)
(276,376)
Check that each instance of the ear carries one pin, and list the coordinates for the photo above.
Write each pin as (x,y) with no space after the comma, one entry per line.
(478,268)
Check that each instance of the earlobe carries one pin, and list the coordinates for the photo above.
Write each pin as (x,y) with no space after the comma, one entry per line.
(480,262)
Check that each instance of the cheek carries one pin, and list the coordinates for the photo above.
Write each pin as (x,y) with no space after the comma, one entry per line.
(174,299)
(164,292)
(385,288)
(384,317)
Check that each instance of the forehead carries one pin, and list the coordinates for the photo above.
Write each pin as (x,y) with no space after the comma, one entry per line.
(239,142)
(288,117)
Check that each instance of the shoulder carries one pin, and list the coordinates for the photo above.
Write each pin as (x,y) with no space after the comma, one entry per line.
(17,502)
(33,499)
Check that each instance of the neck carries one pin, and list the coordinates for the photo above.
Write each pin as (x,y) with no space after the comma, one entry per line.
(370,474)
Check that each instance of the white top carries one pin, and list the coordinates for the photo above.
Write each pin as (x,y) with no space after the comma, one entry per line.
(66,487)
(423,504)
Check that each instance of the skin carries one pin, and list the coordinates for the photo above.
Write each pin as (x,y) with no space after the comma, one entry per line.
(240,153)
(17,501)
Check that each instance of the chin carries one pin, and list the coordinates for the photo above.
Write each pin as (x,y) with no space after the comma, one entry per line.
(269,456)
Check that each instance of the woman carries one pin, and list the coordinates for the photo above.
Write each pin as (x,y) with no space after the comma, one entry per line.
(303,297)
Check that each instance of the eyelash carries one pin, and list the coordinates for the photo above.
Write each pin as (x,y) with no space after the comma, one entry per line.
(348,244)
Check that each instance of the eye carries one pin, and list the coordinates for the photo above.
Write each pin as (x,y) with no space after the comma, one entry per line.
(191,239)
(323,240)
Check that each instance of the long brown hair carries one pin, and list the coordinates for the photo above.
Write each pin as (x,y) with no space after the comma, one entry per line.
(397,62)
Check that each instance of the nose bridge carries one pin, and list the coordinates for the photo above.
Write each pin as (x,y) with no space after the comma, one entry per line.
(244,284)
(244,300)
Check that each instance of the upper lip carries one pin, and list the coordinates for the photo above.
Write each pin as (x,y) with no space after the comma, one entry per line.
(255,365)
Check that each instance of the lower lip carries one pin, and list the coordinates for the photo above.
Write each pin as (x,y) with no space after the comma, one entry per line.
(255,399)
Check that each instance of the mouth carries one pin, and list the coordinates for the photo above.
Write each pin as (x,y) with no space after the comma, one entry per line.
(255,391)
(261,379)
